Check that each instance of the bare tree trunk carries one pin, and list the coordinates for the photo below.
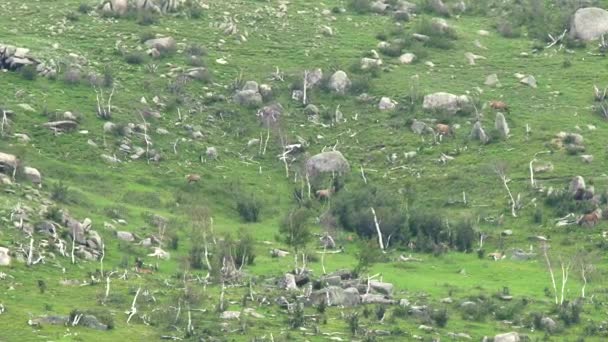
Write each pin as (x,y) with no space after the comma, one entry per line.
(308,183)
(73,245)
(304,98)
(206,252)
(545,247)
(363,175)
(146,137)
(133,310)
(565,273)
(380,241)
(532,183)
(584,276)
(107,289)
(30,255)
(103,254)
(266,142)
(323,258)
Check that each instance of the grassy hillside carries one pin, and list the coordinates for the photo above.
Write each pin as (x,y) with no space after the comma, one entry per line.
(243,40)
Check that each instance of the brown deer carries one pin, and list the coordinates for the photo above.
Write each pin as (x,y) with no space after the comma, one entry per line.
(325,194)
(193,178)
(590,220)
(444,130)
(499,105)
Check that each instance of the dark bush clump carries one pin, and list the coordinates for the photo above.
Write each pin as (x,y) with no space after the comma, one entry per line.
(135,58)
(85,8)
(248,207)
(28,72)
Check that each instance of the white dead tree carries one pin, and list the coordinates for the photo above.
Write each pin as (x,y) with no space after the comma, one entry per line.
(146,138)
(545,248)
(133,310)
(304,97)
(565,272)
(103,254)
(103,111)
(501,171)
(5,122)
(534,160)
(380,240)
(73,245)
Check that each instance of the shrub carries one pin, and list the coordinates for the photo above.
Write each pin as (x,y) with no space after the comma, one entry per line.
(380,312)
(72,76)
(72,16)
(538,216)
(361,6)
(147,18)
(116,212)
(353,323)
(103,315)
(244,249)
(440,317)
(146,35)
(465,236)
(392,50)
(196,50)
(85,8)
(60,192)
(248,207)
(108,76)
(54,213)
(567,62)
(360,85)
(28,72)
(401,16)
(135,58)
(352,209)
(195,11)
(297,318)
(506,29)
(570,312)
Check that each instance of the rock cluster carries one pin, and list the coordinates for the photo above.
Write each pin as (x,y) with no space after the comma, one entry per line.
(15,58)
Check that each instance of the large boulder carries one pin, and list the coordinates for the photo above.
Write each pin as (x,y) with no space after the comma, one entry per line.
(8,162)
(372,298)
(288,282)
(5,258)
(327,162)
(125,236)
(161,44)
(383,288)
(32,175)
(577,184)
(116,7)
(445,102)
(507,337)
(589,23)
(339,82)
(478,133)
(336,296)
(501,125)
(249,95)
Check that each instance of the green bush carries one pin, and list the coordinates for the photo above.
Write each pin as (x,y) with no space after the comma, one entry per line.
(147,18)
(135,57)
(28,72)
(60,192)
(85,8)
(440,317)
(146,35)
(72,16)
(506,29)
(248,207)
(360,6)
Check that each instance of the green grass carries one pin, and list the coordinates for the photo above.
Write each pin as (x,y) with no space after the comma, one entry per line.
(562,102)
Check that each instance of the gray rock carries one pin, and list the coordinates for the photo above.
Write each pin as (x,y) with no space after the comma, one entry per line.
(370,63)
(125,236)
(211,152)
(577,184)
(445,102)
(520,255)
(529,81)
(117,7)
(92,322)
(372,298)
(8,162)
(339,82)
(269,115)
(501,125)
(478,133)
(311,110)
(327,162)
(419,127)
(32,175)
(52,320)
(507,337)
(5,258)
(288,282)
(46,227)
(386,104)
(589,23)
(407,58)
(383,288)
(161,44)
(548,324)
(230,315)
(336,296)
(313,78)
(492,81)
